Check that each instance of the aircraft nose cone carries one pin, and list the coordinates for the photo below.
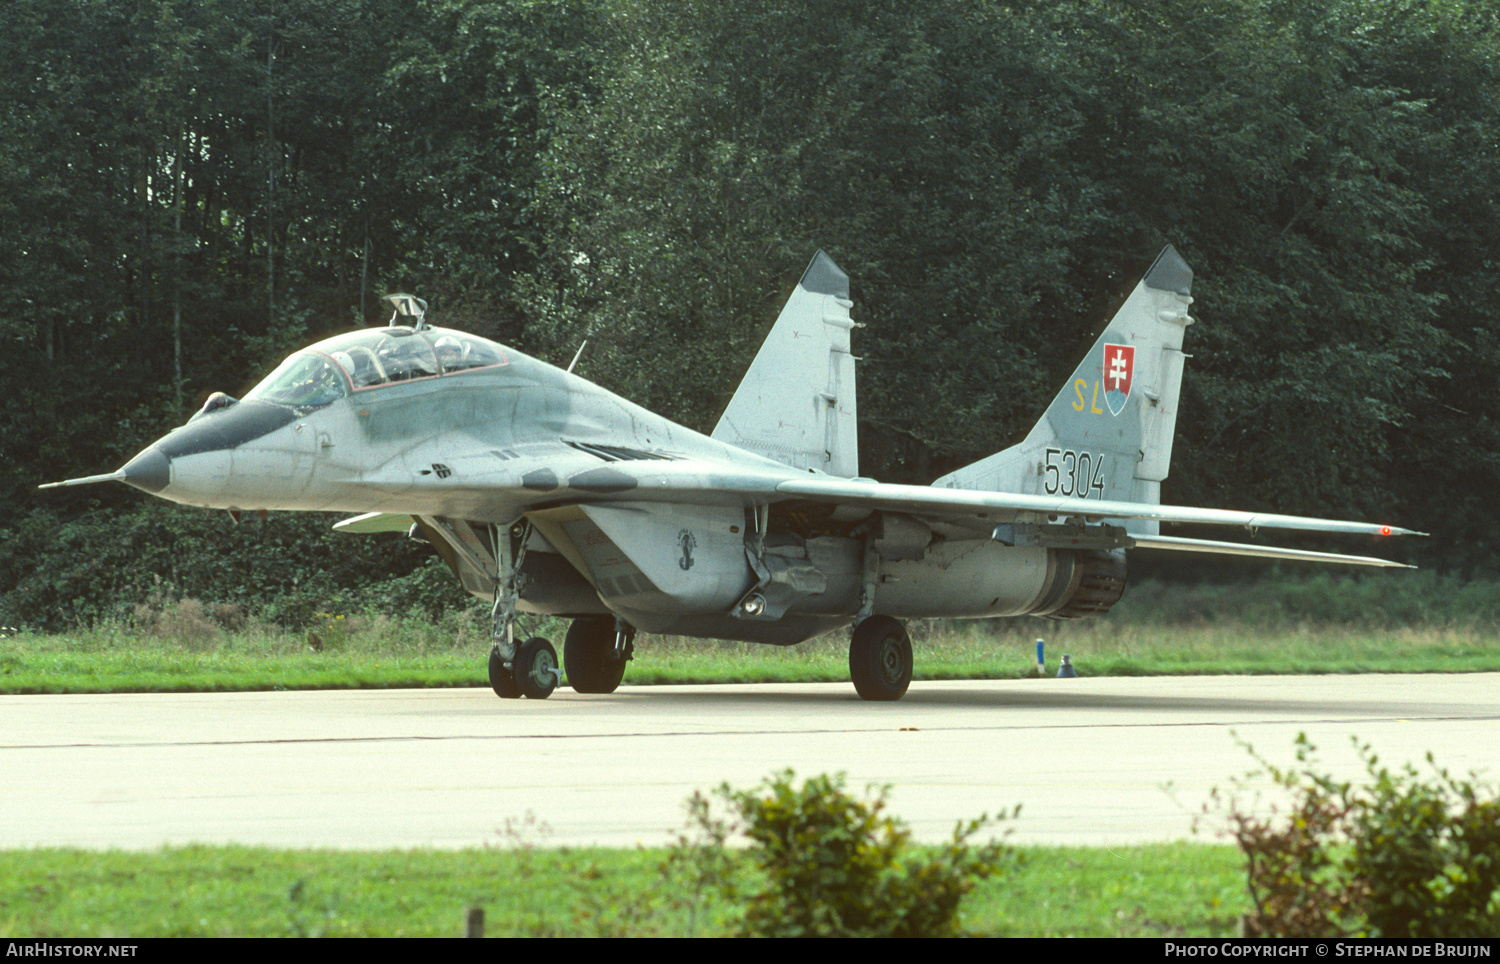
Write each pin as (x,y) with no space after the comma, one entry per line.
(151,471)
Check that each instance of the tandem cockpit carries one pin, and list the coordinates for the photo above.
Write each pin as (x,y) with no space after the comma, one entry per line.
(235,449)
(345,364)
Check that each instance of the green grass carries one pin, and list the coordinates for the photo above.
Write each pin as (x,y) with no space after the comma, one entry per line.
(1302,622)
(1162,890)
(378,652)
(1321,624)
(1165,890)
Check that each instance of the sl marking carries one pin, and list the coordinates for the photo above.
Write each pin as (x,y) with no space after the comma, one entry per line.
(689,543)
(1091,404)
(1118,375)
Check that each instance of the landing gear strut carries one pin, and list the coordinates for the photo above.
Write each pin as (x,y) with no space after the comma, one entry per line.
(880,659)
(530,669)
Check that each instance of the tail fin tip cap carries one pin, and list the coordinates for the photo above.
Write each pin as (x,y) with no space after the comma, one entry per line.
(1170,273)
(824,277)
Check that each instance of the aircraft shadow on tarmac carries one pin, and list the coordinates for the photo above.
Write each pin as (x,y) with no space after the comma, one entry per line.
(949,695)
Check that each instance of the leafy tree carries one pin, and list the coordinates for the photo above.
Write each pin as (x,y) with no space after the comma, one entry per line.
(189,189)
(994,179)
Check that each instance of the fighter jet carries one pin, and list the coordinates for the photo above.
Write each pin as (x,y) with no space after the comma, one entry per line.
(545,493)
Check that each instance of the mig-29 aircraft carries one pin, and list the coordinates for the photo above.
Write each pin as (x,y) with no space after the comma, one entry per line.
(547,494)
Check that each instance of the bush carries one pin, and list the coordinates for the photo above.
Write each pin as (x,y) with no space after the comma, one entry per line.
(1398,858)
(833,866)
(58,573)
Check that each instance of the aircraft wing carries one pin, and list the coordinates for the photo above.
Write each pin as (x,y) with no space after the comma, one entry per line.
(971,504)
(988,512)
(707,482)
(977,509)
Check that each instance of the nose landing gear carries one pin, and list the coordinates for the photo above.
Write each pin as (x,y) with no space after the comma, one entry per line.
(536,668)
(502,679)
(530,669)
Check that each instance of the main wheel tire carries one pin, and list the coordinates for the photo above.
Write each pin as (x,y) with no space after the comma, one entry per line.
(536,668)
(880,659)
(589,656)
(502,680)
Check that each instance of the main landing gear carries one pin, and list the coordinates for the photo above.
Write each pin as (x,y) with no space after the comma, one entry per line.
(596,651)
(595,654)
(880,659)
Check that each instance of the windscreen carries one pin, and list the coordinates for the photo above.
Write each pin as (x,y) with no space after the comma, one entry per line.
(306,380)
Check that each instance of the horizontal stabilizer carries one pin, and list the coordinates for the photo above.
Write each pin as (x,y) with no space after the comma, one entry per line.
(1261,552)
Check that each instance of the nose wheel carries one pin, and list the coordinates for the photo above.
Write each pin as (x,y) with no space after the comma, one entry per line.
(502,679)
(533,676)
(536,668)
(530,669)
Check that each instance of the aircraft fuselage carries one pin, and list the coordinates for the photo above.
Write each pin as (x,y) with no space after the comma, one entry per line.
(628,510)
(546,493)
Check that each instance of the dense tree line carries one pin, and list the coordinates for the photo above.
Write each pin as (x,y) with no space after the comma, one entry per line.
(190,189)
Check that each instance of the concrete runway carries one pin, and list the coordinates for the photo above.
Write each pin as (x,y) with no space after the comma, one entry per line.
(1092,761)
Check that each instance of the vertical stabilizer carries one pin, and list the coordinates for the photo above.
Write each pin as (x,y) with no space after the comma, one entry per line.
(1108,433)
(796,403)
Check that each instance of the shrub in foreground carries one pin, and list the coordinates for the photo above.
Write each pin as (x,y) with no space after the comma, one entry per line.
(1401,857)
(830,865)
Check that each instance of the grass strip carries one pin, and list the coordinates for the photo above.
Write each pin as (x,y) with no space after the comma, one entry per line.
(383,653)
(1163,890)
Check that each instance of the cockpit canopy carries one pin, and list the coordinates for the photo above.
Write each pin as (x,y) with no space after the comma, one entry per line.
(335,367)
